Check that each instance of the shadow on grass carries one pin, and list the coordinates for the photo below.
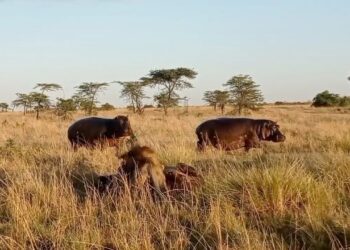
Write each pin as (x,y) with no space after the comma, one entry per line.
(299,234)
(84,179)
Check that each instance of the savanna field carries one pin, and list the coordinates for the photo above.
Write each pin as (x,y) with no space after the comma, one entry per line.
(291,195)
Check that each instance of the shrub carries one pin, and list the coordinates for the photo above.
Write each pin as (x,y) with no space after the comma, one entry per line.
(107,106)
(327,99)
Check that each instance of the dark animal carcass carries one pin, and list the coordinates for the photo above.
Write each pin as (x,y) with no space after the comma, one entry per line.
(235,133)
(93,131)
(182,178)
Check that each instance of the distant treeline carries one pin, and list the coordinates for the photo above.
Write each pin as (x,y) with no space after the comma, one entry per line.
(292,103)
(240,91)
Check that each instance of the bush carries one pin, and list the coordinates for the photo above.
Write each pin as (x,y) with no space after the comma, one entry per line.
(107,106)
(327,99)
(280,103)
(344,101)
(148,106)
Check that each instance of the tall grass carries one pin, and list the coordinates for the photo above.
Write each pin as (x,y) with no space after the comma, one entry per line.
(282,196)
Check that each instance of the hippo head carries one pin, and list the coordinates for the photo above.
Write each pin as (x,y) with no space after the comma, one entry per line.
(270,132)
(125,127)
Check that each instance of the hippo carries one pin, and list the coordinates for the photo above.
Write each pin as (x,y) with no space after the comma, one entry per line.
(93,131)
(234,133)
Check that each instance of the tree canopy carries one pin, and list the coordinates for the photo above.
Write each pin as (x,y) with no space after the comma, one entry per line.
(4,106)
(64,107)
(170,81)
(23,100)
(217,98)
(107,106)
(87,95)
(245,93)
(46,87)
(133,92)
(328,99)
(40,101)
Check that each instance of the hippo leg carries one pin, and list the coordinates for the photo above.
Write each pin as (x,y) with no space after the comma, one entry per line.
(74,145)
(215,141)
(201,143)
(251,141)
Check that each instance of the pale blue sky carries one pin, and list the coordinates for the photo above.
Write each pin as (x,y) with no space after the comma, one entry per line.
(293,49)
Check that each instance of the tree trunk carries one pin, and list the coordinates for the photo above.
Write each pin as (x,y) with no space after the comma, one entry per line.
(222,107)
(239,109)
(165,110)
(133,106)
(37,114)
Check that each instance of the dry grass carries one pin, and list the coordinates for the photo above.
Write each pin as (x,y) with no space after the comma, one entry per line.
(291,195)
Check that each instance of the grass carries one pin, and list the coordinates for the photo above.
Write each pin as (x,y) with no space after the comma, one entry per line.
(294,195)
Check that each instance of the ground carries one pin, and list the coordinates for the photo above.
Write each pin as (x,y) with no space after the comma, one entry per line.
(289,195)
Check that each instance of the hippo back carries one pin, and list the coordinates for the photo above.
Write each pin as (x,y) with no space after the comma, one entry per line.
(92,129)
(233,133)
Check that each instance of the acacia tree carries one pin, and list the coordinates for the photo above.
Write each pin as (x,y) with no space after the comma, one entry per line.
(40,101)
(4,106)
(23,100)
(222,98)
(107,106)
(210,98)
(163,101)
(170,81)
(87,95)
(133,92)
(245,93)
(217,98)
(65,107)
(46,87)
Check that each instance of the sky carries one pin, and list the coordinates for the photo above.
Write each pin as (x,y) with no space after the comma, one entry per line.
(292,49)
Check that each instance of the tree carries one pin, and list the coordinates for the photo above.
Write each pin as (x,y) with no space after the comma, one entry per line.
(23,100)
(40,102)
(170,80)
(133,92)
(65,107)
(162,100)
(222,99)
(217,98)
(46,87)
(210,98)
(87,95)
(107,106)
(344,101)
(327,99)
(245,93)
(4,106)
